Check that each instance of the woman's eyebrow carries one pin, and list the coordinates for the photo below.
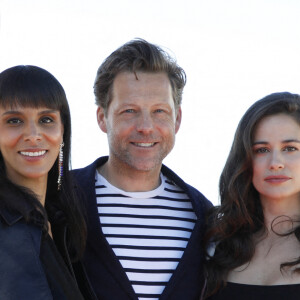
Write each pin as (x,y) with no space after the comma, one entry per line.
(259,143)
(48,111)
(9,112)
(284,141)
(291,141)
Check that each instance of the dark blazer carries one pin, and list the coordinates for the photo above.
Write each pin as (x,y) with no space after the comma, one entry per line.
(104,270)
(28,280)
(22,274)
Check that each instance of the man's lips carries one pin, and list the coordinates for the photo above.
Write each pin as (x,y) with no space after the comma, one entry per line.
(143,145)
(277,178)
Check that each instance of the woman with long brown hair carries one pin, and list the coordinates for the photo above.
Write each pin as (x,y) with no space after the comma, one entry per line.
(253,239)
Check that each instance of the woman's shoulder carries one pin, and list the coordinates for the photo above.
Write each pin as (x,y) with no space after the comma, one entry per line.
(19,252)
(17,234)
(233,291)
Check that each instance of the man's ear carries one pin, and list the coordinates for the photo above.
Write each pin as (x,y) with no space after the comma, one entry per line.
(101,119)
(178,119)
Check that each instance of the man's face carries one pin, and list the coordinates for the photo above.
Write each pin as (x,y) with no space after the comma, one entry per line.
(141,121)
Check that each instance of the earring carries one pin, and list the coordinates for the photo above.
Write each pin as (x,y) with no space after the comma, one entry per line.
(60,166)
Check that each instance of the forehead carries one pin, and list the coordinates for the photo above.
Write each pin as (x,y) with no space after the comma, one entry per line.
(26,106)
(129,85)
(27,110)
(29,102)
(277,126)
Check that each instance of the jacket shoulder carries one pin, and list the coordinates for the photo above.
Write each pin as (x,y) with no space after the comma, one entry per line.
(19,252)
(88,171)
(200,202)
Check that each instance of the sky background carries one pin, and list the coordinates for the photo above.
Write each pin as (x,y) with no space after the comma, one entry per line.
(234,52)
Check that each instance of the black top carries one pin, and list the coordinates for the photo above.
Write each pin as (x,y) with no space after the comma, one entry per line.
(61,283)
(237,291)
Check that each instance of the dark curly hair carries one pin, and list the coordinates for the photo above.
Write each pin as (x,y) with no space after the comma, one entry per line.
(231,225)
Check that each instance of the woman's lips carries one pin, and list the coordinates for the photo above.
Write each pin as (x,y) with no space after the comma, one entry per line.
(277,179)
(33,155)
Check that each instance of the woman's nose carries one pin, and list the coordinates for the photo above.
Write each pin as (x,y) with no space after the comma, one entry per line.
(32,132)
(276,161)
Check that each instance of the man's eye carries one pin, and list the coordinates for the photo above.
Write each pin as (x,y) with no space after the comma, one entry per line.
(129,110)
(159,110)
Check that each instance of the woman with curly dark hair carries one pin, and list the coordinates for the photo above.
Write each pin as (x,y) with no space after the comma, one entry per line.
(253,239)
(42,230)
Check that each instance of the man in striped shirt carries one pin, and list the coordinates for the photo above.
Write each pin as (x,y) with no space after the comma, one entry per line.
(145,224)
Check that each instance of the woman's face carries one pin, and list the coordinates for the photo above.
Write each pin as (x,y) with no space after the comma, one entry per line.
(276,158)
(30,139)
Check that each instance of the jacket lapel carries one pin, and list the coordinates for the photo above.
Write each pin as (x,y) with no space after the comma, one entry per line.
(96,239)
(193,248)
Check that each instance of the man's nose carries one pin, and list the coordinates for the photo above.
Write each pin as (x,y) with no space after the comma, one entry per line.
(145,122)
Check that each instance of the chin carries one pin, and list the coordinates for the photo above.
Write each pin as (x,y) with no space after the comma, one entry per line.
(145,167)
(35,175)
(135,163)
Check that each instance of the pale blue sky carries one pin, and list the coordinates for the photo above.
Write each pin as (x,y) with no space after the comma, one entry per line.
(234,52)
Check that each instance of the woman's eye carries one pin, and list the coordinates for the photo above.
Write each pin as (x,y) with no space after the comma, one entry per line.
(289,148)
(14,121)
(46,120)
(159,110)
(261,150)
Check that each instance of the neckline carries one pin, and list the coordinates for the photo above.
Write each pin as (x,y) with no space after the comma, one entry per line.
(261,286)
(149,194)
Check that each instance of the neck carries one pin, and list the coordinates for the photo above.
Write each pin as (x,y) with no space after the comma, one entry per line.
(37,185)
(281,216)
(130,180)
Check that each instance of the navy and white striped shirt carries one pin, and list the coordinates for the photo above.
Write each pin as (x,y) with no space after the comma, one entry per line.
(148,231)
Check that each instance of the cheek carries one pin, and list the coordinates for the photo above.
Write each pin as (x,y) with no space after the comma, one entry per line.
(165,123)
(54,137)
(9,139)
(120,128)
(257,173)
(167,128)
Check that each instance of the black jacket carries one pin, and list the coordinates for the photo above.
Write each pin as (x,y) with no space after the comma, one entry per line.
(22,275)
(104,270)
(21,272)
